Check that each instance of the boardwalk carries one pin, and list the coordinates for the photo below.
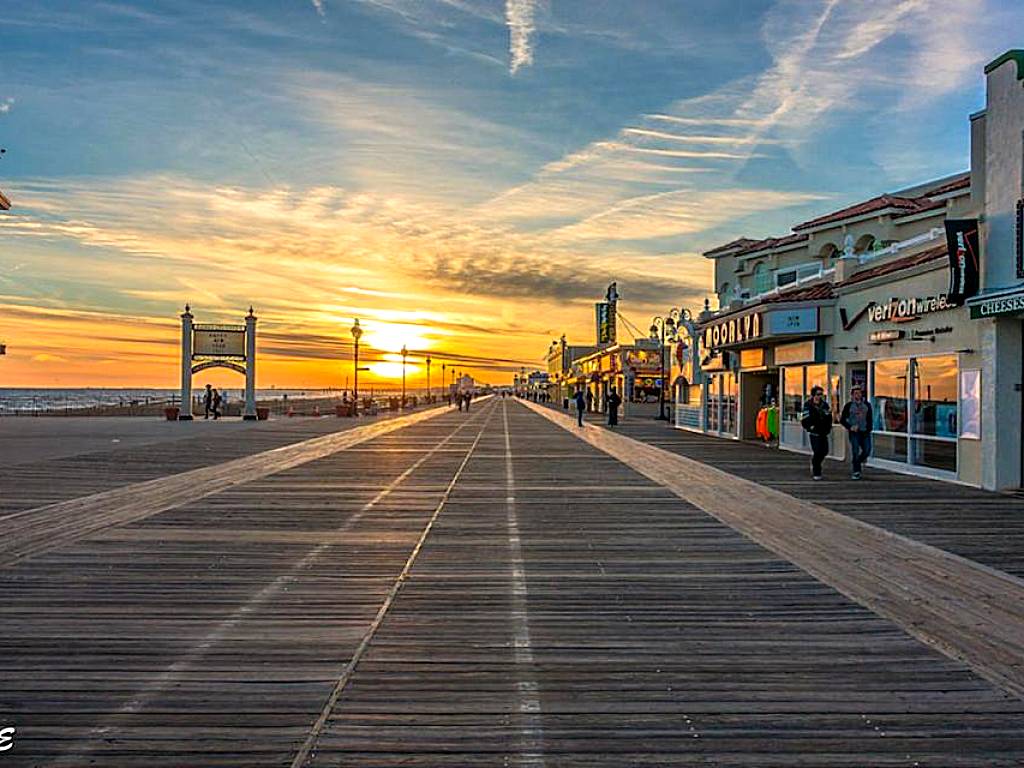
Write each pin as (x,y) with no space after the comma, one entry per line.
(482,589)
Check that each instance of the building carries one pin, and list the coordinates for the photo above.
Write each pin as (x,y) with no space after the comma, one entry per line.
(559,360)
(634,370)
(880,294)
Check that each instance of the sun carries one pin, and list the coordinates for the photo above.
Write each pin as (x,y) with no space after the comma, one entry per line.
(391,337)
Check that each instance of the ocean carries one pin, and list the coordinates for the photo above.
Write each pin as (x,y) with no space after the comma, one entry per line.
(28,400)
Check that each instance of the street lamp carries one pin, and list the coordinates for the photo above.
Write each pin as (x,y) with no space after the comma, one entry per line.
(659,327)
(444,379)
(356,332)
(405,353)
(428,378)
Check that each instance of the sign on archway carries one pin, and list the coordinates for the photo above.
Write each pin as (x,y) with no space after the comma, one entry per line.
(218,346)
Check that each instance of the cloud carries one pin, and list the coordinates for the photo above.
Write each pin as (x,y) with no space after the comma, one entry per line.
(5,105)
(519,17)
(319,6)
(45,357)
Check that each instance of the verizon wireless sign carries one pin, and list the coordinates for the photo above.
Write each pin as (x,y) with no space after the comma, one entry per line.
(898,310)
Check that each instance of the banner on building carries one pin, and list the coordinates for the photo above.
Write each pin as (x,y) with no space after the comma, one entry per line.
(962,242)
(605,312)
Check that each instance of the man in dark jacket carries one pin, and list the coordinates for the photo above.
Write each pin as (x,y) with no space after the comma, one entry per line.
(817,421)
(581,406)
(858,419)
(614,401)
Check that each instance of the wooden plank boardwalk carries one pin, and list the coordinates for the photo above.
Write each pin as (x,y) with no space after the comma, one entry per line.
(976,524)
(472,590)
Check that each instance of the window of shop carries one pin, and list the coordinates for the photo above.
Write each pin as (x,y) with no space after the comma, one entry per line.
(917,411)
(722,403)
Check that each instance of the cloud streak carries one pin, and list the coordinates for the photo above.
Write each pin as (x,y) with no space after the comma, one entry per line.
(519,18)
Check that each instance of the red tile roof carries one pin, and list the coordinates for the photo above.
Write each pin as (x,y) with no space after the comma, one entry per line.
(741,242)
(962,182)
(772,242)
(905,262)
(905,206)
(810,293)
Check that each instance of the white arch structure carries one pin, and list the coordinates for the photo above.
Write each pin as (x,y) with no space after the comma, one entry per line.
(218,346)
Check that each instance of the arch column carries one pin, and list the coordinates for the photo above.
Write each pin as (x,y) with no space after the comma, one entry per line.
(249,414)
(185,412)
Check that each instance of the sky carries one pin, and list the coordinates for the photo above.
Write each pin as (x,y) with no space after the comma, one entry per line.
(464,176)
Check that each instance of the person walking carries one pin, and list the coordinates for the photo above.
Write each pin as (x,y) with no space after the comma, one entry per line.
(614,401)
(817,421)
(468,397)
(207,401)
(216,404)
(581,406)
(858,419)
(590,400)
(458,400)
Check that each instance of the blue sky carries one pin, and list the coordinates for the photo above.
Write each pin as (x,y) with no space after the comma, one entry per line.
(466,172)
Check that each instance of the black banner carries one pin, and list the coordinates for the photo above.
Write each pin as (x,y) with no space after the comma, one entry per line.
(962,242)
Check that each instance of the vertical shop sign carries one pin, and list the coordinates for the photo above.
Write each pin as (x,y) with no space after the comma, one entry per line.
(962,243)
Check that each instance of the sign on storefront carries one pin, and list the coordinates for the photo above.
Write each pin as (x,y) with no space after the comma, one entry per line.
(884,337)
(898,310)
(962,243)
(605,313)
(735,330)
(792,321)
(1002,305)
(810,351)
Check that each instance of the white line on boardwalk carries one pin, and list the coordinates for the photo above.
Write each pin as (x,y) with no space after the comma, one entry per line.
(42,529)
(308,747)
(531,748)
(78,750)
(966,610)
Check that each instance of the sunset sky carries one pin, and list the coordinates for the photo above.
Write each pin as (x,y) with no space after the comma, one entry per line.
(465,176)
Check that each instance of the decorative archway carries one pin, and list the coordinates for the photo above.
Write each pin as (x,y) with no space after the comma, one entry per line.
(218,346)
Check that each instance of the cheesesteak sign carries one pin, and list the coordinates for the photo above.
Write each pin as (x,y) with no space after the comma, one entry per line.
(733,331)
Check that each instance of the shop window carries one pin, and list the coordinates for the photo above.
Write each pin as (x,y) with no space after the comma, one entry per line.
(889,447)
(764,279)
(935,396)
(792,393)
(937,454)
(890,395)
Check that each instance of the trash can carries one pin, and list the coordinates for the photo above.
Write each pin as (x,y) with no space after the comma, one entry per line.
(171,413)
(262,414)
(343,410)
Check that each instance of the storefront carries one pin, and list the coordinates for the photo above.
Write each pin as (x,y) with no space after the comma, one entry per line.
(746,356)
(916,350)
(634,371)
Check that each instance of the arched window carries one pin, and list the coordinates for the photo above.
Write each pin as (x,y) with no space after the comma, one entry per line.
(764,280)
(864,244)
(828,251)
(725,295)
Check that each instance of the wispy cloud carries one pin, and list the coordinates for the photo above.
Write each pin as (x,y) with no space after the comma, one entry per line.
(319,6)
(519,17)
(5,105)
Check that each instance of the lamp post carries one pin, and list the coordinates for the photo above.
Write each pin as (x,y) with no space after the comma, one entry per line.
(659,327)
(428,378)
(356,333)
(405,353)
(444,379)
